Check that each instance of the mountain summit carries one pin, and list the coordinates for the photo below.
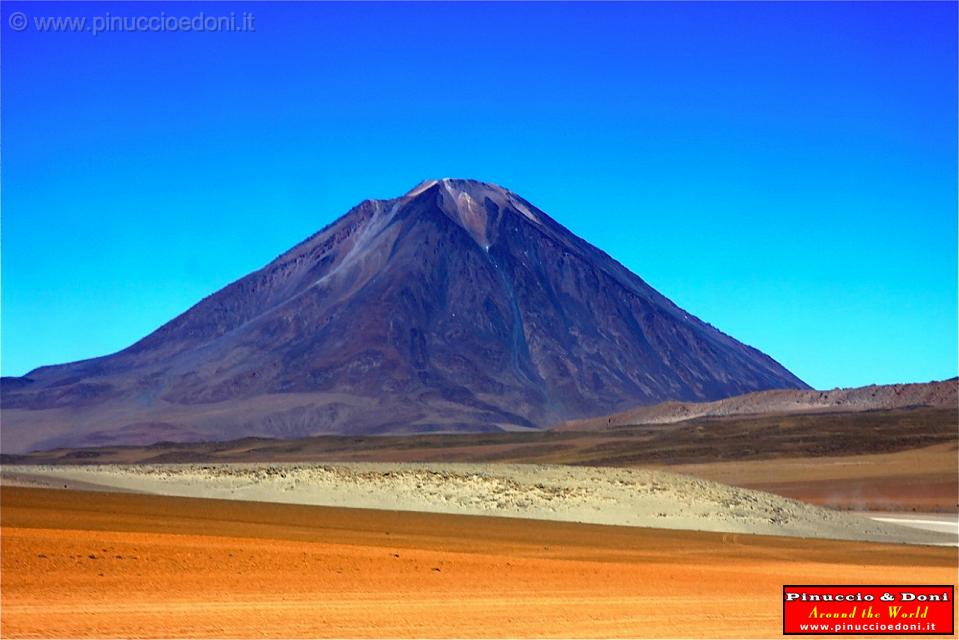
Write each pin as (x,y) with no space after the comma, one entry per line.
(458,306)
(477,207)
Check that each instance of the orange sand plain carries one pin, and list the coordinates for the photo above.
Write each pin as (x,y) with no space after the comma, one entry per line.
(78,564)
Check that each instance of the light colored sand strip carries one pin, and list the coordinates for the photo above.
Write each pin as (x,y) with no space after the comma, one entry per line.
(939,523)
(917,523)
(630,497)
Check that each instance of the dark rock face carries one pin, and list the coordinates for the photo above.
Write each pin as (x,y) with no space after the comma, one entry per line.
(459,306)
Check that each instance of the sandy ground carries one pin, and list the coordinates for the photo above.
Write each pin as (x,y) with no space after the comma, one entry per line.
(941,522)
(628,497)
(87,564)
(892,460)
(923,479)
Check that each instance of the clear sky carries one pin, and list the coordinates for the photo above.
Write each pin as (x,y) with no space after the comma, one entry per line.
(786,172)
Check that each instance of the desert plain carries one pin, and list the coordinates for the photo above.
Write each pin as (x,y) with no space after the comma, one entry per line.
(426,550)
(685,529)
(90,564)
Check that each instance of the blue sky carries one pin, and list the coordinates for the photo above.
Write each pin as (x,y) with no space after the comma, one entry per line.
(785,171)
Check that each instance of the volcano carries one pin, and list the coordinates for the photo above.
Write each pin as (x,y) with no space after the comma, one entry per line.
(458,306)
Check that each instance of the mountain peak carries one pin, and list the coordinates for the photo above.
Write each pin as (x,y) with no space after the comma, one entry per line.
(475,205)
(458,185)
(388,321)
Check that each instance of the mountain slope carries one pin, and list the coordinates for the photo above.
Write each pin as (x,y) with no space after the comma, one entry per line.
(458,306)
(942,394)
